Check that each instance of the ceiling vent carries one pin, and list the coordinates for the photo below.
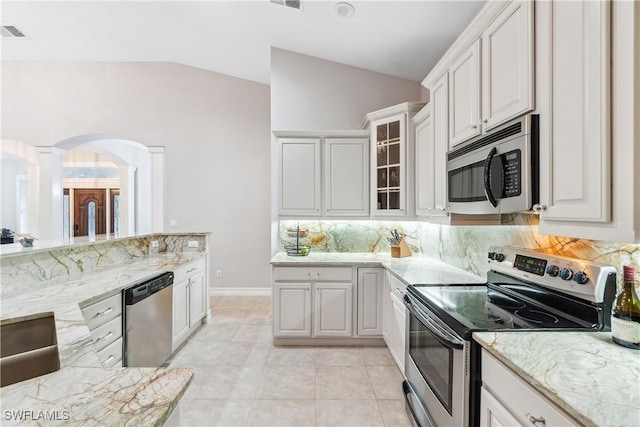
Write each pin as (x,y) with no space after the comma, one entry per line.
(11,32)
(294,4)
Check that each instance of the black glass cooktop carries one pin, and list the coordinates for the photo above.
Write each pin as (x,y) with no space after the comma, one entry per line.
(481,308)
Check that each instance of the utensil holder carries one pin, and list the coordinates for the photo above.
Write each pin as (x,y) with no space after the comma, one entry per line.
(400,250)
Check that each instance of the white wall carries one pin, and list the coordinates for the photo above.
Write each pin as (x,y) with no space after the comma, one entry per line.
(313,94)
(216,130)
(9,169)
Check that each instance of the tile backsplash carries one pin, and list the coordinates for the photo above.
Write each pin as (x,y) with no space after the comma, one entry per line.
(461,246)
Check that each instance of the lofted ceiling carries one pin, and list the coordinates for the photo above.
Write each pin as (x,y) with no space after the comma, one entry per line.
(400,38)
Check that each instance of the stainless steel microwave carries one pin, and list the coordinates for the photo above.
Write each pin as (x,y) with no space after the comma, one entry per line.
(497,172)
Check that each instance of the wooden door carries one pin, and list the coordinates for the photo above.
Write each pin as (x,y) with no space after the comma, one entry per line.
(114,192)
(83,208)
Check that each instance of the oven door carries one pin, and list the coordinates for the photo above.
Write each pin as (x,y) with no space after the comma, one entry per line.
(436,367)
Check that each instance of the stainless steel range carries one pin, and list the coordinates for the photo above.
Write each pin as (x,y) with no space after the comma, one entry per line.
(525,290)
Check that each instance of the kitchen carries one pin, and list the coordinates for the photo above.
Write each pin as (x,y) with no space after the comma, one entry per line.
(57,92)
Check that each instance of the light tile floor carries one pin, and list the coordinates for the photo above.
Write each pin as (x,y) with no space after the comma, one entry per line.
(242,379)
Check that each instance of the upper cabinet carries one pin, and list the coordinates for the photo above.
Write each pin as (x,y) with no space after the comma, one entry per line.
(323,174)
(508,65)
(392,167)
(491,70)
(586,77)
(464,96)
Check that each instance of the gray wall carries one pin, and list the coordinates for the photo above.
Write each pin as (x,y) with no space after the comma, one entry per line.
(216,130)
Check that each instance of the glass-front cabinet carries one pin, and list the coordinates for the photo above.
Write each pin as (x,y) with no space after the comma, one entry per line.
(392,168)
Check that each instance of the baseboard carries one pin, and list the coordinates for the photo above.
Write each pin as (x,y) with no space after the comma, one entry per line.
(249,292)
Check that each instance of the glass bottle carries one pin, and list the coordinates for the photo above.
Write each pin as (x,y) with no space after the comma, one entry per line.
(625,313)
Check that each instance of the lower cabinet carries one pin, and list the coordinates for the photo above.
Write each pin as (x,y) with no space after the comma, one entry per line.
(395,325)
(327,302)
(189,300)
(507,400)
(104,319)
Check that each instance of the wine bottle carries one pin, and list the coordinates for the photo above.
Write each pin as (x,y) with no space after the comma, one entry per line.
(625,313)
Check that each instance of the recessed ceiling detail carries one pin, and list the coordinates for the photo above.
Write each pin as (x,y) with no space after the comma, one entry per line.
(345,10)
(11,32)
(294,4)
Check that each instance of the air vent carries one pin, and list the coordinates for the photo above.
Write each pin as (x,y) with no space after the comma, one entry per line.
(294,4)
(11,32)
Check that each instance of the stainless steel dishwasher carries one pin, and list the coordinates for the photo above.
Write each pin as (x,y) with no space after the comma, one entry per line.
(148,322)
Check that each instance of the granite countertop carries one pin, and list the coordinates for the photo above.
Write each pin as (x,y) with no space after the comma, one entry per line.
(413,270)
(92,395)
(584,373)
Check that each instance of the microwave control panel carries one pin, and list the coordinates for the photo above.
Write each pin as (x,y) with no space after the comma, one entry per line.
(512,168)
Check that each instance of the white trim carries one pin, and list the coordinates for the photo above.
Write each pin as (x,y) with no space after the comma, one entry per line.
(248,292)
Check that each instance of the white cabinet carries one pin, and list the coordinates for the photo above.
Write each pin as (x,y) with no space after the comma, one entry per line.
(189,300)
(104,320)
(333,309)
(292,309)
(587,82)
(387,308)
(300,176)
(323,174)
(370,297)
(346,177)
(464,96)
(431,162)
(398,319)
(506,399)
(312,302)
(392,164)
(507,65)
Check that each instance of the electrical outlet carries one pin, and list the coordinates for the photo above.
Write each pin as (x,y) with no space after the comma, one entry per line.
(173,223)
(154,244)
(219,273)
(193,243)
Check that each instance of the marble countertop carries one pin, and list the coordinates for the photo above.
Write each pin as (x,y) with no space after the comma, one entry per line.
(416,269)
(594,380)
(80,385)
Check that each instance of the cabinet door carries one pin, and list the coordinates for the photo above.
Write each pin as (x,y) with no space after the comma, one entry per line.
(493,413)
(507,65)
(464,96)
(370,301)
(346,177)
(299,178)
(425,177)
(574,82)
(197,299)
(389,173)
(292,310)
(398,334)
(333,309)
(440,119)
(180,312)
(387,309)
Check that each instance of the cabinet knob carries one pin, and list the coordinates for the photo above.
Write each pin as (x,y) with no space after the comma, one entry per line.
(485,121)
(536,420)
(539,208)
(474,126)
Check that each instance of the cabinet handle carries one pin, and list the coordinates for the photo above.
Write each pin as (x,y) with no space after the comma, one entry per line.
(108,310)
(474,126)
(101,339)
(485,121)
(109,359)
(534,420)
(539,208)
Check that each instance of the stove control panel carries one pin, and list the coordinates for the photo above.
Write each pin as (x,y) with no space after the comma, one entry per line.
(580,278)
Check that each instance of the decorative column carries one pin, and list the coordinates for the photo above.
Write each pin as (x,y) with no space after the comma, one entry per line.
(127,200)
(49,188)
(157,189)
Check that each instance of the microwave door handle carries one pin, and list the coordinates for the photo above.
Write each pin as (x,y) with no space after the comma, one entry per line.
(445,339)
(487,178)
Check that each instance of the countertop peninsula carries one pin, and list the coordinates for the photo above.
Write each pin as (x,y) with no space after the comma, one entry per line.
(82,392)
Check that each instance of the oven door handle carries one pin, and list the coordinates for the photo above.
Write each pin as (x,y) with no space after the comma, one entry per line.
(438,332)
(492,176)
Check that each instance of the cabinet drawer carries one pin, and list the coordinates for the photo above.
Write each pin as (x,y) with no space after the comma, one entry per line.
(397,286)
(106,334)
(101,312)
(181,273)
(111,355)
(313,274)
(519,397)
